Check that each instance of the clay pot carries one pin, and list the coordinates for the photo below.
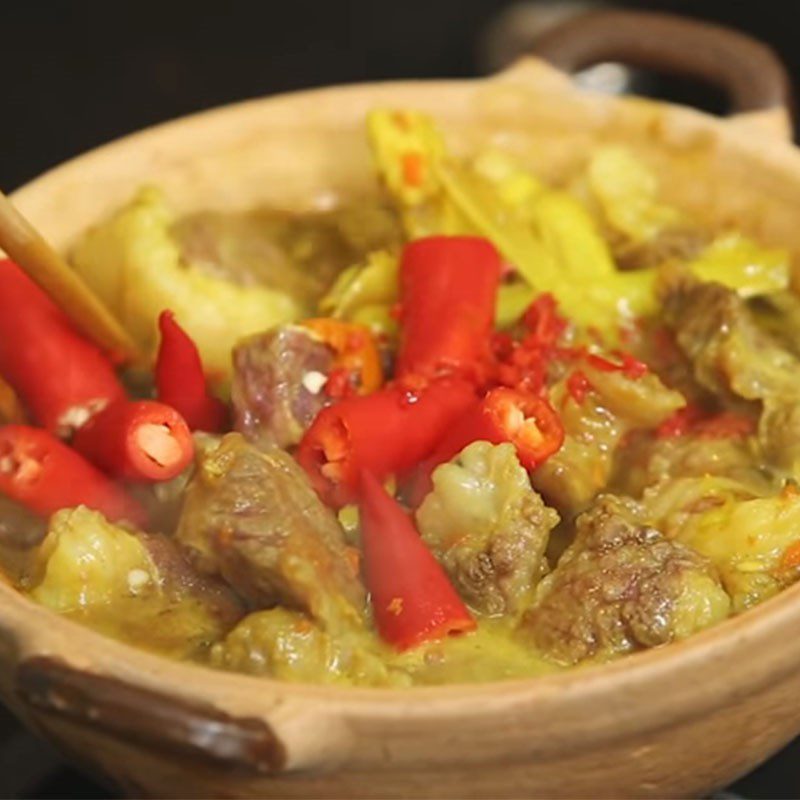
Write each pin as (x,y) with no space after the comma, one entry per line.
(677,721)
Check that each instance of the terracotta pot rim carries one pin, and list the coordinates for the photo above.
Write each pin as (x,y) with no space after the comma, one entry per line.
(35,630)
(635,668)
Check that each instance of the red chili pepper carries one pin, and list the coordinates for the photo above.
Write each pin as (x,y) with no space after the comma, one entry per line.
(524,364)
(448,286)
(578,385)
(503,415)
(412,597)
(61,377)
(138,441)
(180,381)
(628,365)
(387,432)
(45,475)
(358,360)
(679,423)
(544,322)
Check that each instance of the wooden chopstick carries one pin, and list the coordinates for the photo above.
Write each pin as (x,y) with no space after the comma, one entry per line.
(25,246)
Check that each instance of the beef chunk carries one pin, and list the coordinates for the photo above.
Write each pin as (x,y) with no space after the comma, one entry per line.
(621,586)
(251,516)
(594,429)
(488,527)
(735,356)
(730,353)
(276,390)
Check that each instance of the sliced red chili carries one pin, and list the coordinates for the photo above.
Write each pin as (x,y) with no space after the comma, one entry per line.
(137,441)
(61,377)
(387,432)
(526,420)
(412,598)
(691,419)
(448,288)
(357,356)
(45,475)
(578,386)
(180,381)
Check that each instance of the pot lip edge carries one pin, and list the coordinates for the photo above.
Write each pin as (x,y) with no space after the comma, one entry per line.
(642,667)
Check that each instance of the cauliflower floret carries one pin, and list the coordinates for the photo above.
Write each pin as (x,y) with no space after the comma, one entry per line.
(619,587)
(487,527)
(132,586)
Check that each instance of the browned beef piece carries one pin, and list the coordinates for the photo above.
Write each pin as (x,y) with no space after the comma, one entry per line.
(736,357)
(649,461)
(488,528)
(181,580)
(621,586)
(19,528)
(731,354)
(251,516)
(276,390)
(594,431)
(21,531)
(300,254)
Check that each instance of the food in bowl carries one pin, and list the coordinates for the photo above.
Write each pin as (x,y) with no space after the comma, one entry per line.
(474,427)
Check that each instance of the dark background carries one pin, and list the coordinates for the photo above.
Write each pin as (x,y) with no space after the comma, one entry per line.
(78,74)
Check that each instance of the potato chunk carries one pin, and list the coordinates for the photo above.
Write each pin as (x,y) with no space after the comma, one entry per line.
(134,263)
(134,587)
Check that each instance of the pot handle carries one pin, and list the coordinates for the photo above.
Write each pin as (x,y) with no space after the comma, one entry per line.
(748,70)
(191,732)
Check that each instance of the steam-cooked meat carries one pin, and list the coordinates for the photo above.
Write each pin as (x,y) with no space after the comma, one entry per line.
(297,253)
(736,357)
(730,353)
(621,586)
(277,381)
(251,516)
(594,429)
(650,461)
(488,527)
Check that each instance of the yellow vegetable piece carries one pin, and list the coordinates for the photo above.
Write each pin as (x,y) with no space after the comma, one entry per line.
(743,265)
(105,577)
(135,265)
(571,236)
(516,187)
(406,145)
(628,195)
(90,563)
(369,284)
